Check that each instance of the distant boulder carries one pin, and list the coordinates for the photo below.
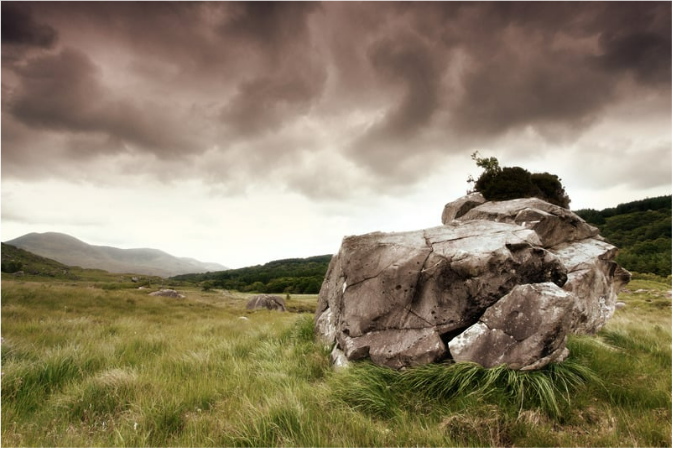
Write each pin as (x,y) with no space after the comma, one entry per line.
(270,302)
(167,292)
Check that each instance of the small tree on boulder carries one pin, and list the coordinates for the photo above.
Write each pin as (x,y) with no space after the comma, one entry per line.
(507,183)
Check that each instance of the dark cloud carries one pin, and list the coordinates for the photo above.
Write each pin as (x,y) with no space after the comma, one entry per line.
(290,78)
(510,90)
(410,69)
(64,92)
(57,91)
(214,41)
(410,64)
(270,26)
(253,62)
(263,104)
(531,80)
(476,71)
(647,54)
(20,28)
(389,87)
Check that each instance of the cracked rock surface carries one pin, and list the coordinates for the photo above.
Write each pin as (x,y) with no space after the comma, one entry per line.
(503,282)
(528,324)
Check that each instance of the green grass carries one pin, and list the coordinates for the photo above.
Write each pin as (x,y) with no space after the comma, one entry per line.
(84,365)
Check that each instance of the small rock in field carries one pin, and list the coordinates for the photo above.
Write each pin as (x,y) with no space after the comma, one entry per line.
(270,302)
(167,292)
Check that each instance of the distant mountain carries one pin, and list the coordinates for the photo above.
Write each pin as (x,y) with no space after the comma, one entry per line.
(71,251)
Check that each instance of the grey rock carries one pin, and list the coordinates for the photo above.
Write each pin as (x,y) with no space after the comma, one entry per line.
(396,348)
(338,359)
(326,327)
(461,206)
(270,302)
(528,324)
(167,292)
(594,279)
(553,224)
(409,298)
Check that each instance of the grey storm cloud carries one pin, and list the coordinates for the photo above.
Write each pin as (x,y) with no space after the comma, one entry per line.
(270,26)
(409,68)
(411,64)
(387,82)
(263,104)
(20,28)
(290,78)
(63,92)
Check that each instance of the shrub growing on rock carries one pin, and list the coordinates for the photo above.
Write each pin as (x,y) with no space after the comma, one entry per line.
(507,183)
(550,189)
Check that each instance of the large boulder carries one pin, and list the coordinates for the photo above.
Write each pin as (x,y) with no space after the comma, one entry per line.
(410,298)
(270,302)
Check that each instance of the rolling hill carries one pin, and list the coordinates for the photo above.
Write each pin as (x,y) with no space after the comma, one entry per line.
(279,276)
(18,260)
(71,251)
(641,230)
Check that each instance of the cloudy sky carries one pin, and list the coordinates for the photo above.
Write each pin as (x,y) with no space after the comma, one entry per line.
(242,133)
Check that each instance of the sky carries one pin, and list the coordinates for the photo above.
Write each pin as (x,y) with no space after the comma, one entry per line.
(242,133)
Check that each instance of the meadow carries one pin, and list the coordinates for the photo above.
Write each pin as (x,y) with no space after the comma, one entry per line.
(89,364)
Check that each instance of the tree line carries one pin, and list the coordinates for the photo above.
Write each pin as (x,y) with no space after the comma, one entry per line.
(279,276)
(641,230)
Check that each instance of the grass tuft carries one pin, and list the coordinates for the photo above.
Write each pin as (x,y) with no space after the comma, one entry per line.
(370,389)
(382,392)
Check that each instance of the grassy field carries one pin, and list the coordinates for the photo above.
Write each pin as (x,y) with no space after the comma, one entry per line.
(86,364)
